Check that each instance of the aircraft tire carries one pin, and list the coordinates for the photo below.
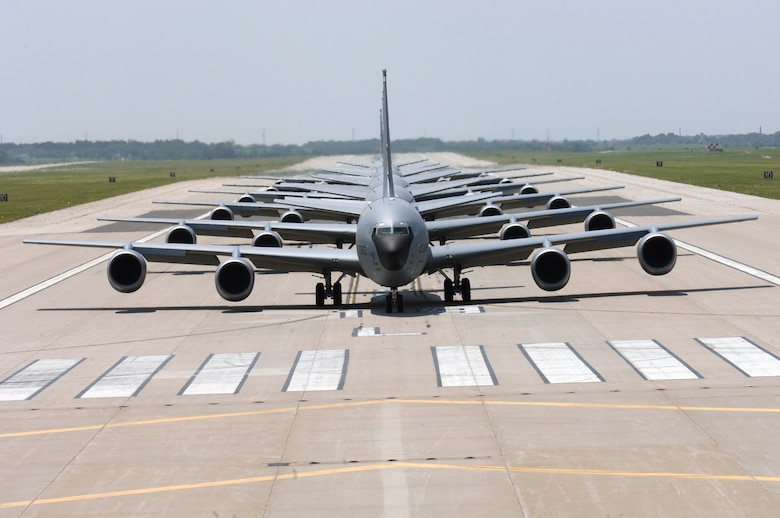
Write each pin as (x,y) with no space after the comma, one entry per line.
(399,303)
(337,297)
(319,294)
(465,289)
(449,291)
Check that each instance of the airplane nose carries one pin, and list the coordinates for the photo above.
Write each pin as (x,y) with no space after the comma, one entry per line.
(393,249)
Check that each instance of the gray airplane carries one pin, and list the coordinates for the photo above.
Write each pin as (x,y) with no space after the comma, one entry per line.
(392,248)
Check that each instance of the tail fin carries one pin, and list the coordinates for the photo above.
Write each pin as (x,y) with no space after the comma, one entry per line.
(387,166)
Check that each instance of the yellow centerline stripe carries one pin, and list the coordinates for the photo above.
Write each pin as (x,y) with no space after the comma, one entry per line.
(394,465)
(549,404)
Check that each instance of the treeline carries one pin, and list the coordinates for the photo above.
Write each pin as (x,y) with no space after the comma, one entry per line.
(11,153)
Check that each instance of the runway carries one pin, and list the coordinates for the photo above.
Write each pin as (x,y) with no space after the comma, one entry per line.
(620,395)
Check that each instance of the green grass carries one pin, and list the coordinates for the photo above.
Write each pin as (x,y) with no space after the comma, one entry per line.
(35,192)
(736,170)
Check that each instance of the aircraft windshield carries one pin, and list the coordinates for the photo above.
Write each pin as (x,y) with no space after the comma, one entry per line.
(391,230)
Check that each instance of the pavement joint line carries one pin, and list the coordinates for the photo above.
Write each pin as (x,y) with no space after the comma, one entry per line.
(548,404)
(296,474)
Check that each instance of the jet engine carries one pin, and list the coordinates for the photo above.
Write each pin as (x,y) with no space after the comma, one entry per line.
(657,253)
(234,279)
(246,198)
(529,189)
(181,234)
(126,270)
(221,214)
(558,202)
(490,210)
(514,231)
(268,238)
(291,216)
(599,220)
(550,268)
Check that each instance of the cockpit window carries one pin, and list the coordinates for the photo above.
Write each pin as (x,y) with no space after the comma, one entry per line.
(384,230)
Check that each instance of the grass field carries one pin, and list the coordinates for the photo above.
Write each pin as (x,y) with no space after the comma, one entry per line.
(36,192)
(736,170)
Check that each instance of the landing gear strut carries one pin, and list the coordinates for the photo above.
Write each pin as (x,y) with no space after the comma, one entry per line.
(328,289)
(458,285)
(394,299)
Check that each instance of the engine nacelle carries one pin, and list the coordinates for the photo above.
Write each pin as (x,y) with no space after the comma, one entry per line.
(529,189)
(268,238)
(657,253)
(235,279)
(291,216)
(550,268)
(558,202)
(246,198)
(514,231)
(181,234)
(221,214)
(126,271)
(505,181)
(490,210)
(599,220)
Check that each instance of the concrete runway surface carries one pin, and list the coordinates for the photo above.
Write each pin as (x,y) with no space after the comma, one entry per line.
(620,395)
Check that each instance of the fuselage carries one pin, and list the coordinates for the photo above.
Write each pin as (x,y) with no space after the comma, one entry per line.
(392,242)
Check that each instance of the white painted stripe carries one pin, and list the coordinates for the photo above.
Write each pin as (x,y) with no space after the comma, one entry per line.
(318,370)
(652,361)
(32,290)
(744,355)
(755,272)
(464,310)
(463,366)
(126,378)
(558,363)
(26,383)
(222,373)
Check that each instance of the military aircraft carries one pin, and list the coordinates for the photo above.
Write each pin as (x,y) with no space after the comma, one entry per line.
(392,249)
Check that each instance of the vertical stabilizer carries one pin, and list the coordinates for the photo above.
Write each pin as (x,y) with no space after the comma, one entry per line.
(387,165)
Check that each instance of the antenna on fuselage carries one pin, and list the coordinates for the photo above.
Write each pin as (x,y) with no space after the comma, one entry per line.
(387,165)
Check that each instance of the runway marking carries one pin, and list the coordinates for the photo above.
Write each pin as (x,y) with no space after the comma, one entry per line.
(351,313)
(374,331)
(222,373)
(462,366)
(558,362)
(652,360)
(28,382)
(755,272)
(747,357)
(318,370)
(127,377)
(298,474)
(434,402)
(464,310)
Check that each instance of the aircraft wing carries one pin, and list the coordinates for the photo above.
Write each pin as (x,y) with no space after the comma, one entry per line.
(487,253)
(309,232)
(314,260)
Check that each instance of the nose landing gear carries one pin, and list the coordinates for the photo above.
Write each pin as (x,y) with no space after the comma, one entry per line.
(458,285)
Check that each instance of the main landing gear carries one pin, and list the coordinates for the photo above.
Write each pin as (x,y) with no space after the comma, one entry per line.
(328,290)
(456,285)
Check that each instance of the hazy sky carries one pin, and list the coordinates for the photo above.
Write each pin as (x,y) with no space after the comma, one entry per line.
(297,71)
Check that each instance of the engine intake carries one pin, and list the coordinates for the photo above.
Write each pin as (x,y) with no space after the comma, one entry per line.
(558,202)
(292,216)
(126,271)
(222,214)
(550,268)
(514,231)
(268,239)
(181,234)
(529,189)
(657,253)
(234,279)
(599,220)
(490,210)
(246,198)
